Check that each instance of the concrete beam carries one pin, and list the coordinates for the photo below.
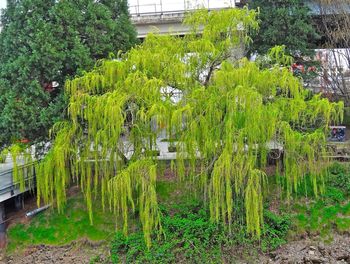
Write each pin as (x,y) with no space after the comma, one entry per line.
(163,29)
(161,23)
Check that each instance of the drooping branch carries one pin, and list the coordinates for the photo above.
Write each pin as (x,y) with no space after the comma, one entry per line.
(223,126)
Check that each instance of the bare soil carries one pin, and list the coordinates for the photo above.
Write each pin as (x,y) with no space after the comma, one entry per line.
(169,175)
(80,252)
(302,251)
(14,216)
(313,250)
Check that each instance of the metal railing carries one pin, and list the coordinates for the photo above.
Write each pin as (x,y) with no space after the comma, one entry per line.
(169,7)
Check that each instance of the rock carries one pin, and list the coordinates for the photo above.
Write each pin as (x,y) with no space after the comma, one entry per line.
(311,252)
(314,260)
(273,255)
(341,262)
(322,250)
(343,257)
(318,260)
(312,248)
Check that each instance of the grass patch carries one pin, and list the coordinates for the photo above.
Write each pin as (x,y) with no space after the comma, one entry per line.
(52,228)
(324,218)
(331,211)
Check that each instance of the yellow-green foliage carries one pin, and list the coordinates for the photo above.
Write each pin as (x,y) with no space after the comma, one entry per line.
(228,112)
(3,155)
(21,155)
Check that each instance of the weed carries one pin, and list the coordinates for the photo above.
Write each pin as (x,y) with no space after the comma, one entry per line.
(95,259)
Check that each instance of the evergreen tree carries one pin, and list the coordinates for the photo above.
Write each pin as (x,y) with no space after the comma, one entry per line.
(283,22)
(45,42)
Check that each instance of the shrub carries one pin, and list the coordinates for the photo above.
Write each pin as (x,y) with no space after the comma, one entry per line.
(339,177)
(190,236)
(275,230)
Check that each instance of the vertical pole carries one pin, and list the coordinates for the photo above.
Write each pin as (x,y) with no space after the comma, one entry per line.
(138,8)
(2,226)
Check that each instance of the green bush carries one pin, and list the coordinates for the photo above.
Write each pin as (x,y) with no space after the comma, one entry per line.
(187,234)
(339,177)
(275,230)
(333,194)
(190,236)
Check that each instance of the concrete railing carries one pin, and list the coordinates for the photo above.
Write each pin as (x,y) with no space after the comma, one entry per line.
(167,7)
(10,188)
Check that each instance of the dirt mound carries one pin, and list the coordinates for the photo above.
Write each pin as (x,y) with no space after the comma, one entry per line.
(76,253)
(314,251)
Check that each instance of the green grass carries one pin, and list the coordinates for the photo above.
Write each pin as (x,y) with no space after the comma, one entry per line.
(323,220)
(175,192)
(164,189)
(327,213)
(323,216)
(52,228)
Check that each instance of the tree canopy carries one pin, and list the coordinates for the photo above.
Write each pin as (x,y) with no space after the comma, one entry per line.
(283,22)
(43,43)
(227,114)
(334,25)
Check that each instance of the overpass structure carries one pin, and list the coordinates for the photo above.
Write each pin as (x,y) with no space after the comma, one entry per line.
(10,188)
(166,16)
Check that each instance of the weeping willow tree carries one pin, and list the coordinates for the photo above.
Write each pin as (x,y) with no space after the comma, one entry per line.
(227,113)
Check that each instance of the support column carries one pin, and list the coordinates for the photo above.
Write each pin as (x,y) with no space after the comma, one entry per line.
(2,226)
(19,202)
